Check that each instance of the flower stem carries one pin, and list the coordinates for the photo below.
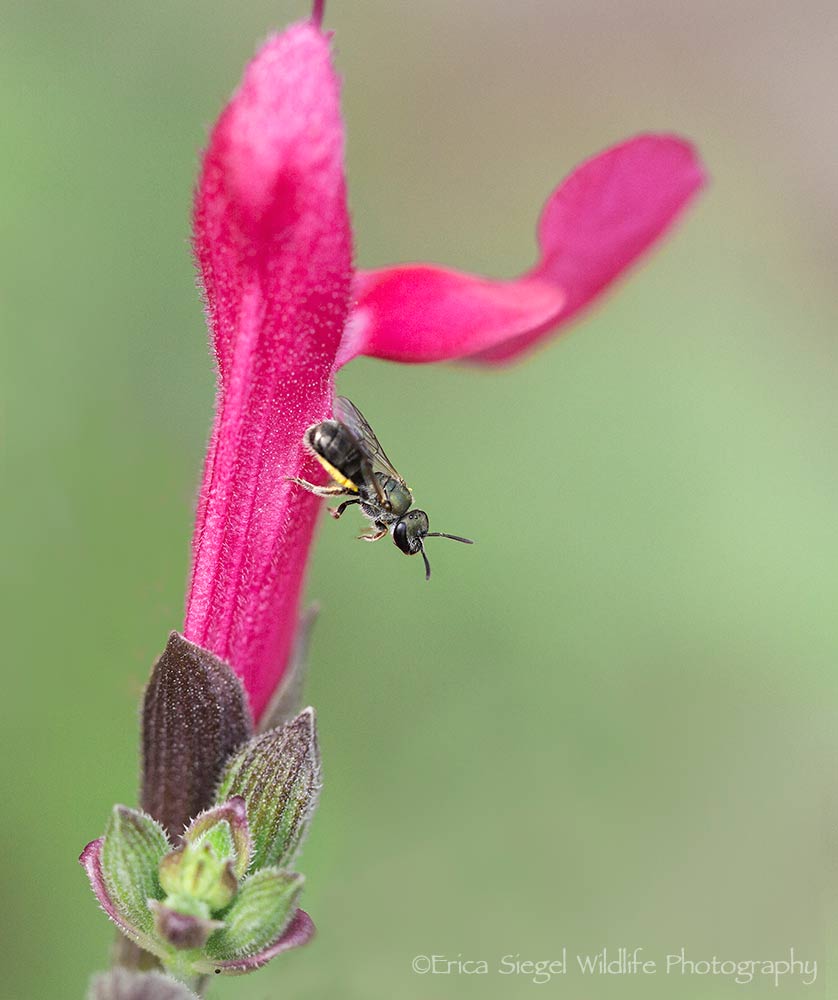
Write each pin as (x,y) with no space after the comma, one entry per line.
(317,13)
(127,955)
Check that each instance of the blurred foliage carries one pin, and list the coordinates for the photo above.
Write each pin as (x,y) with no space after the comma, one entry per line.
(610,722)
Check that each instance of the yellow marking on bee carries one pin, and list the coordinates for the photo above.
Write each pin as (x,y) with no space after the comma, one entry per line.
(338,477)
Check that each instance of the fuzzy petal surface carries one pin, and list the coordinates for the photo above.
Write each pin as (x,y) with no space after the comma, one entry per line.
(595,225)
(273,247)
(418,312)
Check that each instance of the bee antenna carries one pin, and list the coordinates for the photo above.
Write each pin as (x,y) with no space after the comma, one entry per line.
(454,538)
(427,564)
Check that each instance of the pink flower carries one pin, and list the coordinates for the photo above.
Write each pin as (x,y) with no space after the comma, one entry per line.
(285,308)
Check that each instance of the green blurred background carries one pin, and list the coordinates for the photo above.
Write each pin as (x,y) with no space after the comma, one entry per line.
(610,723)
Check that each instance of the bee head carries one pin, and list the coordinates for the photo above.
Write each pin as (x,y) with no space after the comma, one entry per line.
(411,529)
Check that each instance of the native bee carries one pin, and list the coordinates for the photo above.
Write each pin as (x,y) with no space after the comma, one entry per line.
(349,451)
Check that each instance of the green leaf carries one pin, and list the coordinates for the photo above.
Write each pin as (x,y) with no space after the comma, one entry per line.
(261,911)
(278,775)
(133,847)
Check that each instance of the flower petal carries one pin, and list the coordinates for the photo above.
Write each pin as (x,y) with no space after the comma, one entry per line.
(273,246)
(604,216)
(417,312)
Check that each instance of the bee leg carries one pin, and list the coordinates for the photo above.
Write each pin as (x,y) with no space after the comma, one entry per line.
(382,531)
(320,491)
(337,511)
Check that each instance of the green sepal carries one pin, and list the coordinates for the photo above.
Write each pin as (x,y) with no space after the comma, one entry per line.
(134,844)
(219,838)
(278,775)
(263,908)
(225,828)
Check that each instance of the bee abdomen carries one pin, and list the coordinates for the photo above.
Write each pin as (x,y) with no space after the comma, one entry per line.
(337,450)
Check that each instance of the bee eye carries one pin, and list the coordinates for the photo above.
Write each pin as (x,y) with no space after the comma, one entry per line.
(400,537)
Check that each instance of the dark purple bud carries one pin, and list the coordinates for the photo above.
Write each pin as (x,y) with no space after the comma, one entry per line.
(120,984)
(194,716)
(183,931)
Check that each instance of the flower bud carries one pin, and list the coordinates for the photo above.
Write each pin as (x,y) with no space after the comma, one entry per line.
(183,931)
(122,984)
(194,716)
(278,776)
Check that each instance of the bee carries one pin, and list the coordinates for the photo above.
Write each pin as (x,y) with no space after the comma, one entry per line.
(349,451)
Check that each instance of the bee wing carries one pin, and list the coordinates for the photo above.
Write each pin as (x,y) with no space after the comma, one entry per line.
(349,415)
